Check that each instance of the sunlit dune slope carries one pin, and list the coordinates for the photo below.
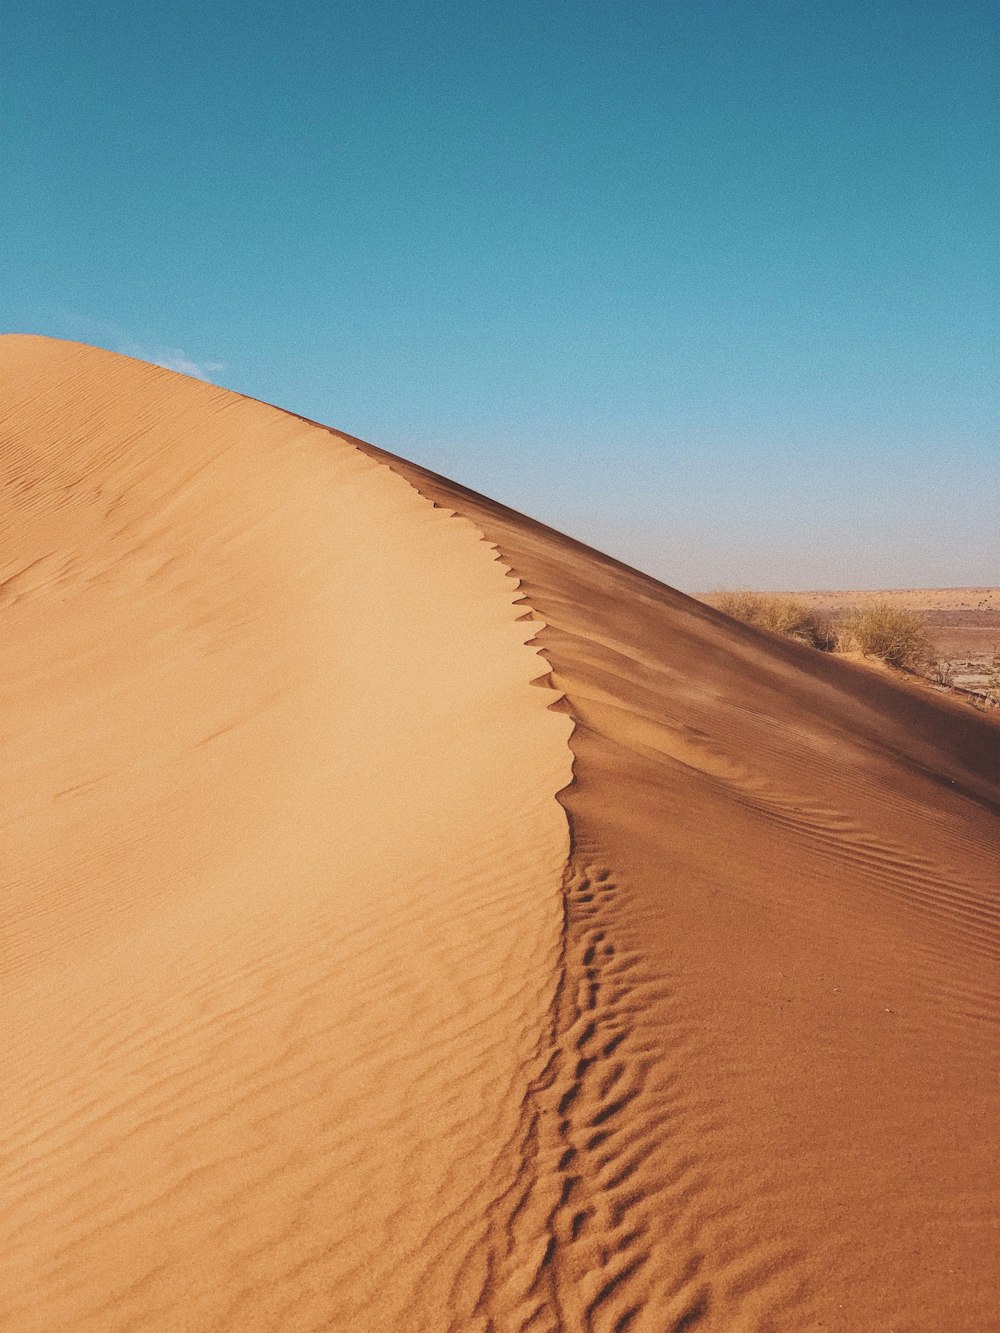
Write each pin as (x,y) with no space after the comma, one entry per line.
(282,867)
(334,998)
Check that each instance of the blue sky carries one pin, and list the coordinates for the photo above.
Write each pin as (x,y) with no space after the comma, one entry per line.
(714,287)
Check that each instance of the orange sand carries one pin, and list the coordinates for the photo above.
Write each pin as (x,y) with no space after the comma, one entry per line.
(353,983)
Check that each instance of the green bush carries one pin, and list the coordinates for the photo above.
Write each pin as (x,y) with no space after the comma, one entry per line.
(888,632)
(780,615)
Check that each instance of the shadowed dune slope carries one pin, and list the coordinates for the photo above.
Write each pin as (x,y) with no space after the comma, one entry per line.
(776,1094)
(332,1003)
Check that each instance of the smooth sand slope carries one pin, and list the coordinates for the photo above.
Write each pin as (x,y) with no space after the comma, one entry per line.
(350,981)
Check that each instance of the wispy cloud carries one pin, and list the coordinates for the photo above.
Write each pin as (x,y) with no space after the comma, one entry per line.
(173,358)
(117,339)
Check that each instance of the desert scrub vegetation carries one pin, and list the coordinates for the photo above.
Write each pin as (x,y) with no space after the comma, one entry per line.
(780,615)
(993,681)
(888,632)
(941,671)
(877,628)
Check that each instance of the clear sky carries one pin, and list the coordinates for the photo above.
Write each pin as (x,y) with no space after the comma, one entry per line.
(713,286)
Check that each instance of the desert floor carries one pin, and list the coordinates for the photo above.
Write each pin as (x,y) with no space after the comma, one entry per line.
(962,624)
(416,920)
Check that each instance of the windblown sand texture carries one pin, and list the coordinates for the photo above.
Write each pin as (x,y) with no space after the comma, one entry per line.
(352,981)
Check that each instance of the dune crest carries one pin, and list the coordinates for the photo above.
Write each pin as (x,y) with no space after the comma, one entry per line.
(355,982)
(783,926)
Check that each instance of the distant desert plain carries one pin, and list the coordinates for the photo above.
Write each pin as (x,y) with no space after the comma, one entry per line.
(415,920)
(961,625)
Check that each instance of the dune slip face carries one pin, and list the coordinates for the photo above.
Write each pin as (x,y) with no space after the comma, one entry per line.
(352,981)
(774,1096)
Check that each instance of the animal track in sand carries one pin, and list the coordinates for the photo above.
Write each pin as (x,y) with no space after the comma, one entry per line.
(611,1224)
(571,1242)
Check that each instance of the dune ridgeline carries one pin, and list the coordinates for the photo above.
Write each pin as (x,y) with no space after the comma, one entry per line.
(416,920)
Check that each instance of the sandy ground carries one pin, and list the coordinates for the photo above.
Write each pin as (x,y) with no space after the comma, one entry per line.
(954,600)
(353,981)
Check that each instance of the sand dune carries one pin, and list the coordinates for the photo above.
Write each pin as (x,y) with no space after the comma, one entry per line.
(352,981)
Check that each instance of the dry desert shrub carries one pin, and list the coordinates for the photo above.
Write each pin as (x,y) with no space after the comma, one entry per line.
(780,615)
(941,671)
(993,681)
(888,632)
(743,605)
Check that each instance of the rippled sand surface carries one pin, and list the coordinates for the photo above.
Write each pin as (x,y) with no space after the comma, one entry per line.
(413,919)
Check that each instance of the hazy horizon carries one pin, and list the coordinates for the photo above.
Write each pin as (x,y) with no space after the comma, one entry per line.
(711,289)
